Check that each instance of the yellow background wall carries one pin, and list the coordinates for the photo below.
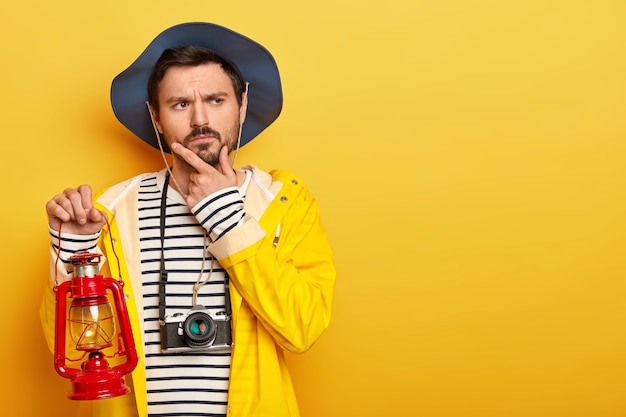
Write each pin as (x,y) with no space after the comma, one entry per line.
(469,159)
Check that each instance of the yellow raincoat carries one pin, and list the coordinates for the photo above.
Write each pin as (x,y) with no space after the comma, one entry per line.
(282,284)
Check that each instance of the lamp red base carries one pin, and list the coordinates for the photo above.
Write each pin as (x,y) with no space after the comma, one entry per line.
(91,391)
(97,380)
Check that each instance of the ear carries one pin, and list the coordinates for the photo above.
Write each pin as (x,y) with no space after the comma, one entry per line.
(244,105)
(154,117)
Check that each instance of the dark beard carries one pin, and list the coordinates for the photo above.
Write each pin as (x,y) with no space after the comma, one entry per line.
(203,150)
(211,158)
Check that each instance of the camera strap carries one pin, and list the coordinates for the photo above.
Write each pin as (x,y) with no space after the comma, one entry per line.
(163,271)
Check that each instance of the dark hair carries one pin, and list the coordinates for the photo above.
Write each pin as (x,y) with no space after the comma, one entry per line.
(190,56)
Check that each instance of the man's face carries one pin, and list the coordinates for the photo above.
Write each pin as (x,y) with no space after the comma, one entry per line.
(198,108)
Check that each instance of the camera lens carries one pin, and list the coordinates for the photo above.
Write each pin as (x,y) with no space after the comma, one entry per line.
(199,329)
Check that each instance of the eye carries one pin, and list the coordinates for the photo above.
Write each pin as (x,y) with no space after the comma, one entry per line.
(217,100)
(181,105)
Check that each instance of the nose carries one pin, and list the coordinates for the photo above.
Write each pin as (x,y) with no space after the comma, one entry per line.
(199,116)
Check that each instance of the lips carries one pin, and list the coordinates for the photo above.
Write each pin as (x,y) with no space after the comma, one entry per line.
(202,138)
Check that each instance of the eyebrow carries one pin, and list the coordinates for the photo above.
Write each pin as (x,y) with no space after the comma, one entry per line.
(178,99)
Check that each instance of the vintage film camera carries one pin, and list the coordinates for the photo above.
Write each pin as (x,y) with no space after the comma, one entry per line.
(197,329)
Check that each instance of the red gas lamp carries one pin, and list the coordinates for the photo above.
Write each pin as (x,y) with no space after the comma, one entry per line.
(92,327)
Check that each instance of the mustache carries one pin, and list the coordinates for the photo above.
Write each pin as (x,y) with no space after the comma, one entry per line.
(201,130)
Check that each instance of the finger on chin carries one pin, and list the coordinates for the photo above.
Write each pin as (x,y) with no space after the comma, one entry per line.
(224,160)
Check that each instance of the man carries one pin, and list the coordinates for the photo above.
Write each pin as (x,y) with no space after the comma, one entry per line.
(241,244)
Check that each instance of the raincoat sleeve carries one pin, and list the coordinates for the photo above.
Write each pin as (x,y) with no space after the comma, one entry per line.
(282,266)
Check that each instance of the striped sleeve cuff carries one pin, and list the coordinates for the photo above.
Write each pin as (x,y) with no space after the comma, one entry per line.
(220,212)
(71,244)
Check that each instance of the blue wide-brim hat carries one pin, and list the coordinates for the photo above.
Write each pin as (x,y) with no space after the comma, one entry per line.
(129,90)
